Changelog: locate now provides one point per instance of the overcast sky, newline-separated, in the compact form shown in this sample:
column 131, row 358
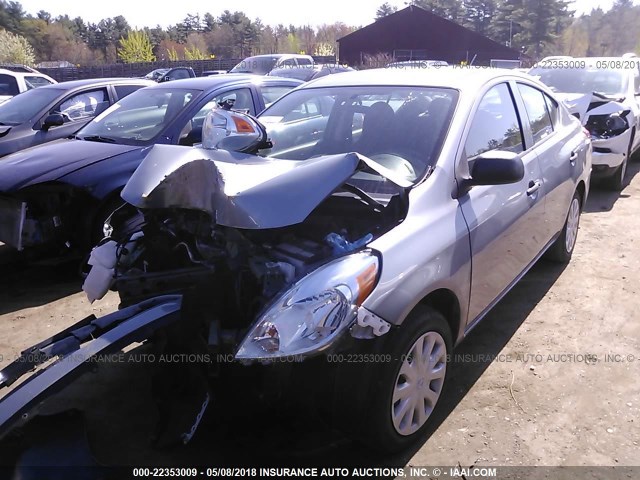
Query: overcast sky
column 142, row 13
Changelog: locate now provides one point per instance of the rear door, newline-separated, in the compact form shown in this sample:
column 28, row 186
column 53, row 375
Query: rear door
column 559, row 150
column 505, row 221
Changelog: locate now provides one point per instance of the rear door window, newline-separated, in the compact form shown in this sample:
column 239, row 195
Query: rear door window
column 8, row 85
column 537, row 112
column 124, row 90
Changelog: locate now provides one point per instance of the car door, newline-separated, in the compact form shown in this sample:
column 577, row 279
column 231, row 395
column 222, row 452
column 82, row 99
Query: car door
column 77, row 108
column 504, row 220
column 559, row 150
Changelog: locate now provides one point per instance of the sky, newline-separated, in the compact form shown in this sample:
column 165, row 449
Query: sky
column 144, row 13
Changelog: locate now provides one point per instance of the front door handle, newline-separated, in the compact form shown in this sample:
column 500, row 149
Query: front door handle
column 534, row 186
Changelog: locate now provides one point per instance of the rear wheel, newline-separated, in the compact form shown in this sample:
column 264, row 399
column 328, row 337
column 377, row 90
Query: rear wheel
column 562, row 248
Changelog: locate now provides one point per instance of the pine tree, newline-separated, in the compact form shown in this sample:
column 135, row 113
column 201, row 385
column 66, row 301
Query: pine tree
column 449, row 9
column 385, row 10
column 478, row 14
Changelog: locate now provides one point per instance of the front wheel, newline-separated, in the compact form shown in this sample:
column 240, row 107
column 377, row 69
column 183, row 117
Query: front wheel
column 402, row 394
column 562, row 249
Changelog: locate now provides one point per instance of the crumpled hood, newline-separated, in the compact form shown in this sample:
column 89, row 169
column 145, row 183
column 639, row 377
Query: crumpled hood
column 241, row 190
column 53, row 160
column 586, row 104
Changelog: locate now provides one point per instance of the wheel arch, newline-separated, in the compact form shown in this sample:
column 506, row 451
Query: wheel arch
column 445, row 302
column 581, row 188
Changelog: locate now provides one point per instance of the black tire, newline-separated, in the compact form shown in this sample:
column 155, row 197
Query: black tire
column 370, row 387
column 561, row 251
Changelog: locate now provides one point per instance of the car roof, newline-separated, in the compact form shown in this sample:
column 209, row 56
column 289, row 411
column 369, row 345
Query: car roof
column 70, row 85
column 458, row 77
column 207, row 83
column 16, row 73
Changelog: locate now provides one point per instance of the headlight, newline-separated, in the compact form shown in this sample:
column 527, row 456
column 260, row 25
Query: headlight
column 314, row 311
column 606, row 126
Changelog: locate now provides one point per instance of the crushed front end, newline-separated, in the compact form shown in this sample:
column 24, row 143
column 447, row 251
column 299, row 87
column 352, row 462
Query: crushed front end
column 269, row 262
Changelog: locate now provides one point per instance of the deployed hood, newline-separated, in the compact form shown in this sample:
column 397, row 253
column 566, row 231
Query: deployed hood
column 51, row 161
column 585, row 104
column 241, row 190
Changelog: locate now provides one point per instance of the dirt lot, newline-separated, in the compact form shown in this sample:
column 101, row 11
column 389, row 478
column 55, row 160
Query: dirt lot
column 550, row 377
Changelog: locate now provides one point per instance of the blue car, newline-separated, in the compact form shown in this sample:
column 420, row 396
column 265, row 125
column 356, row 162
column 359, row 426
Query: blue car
column 56, row 197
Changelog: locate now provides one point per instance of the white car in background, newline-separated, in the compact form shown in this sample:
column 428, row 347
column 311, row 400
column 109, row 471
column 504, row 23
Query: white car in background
column 15, row 79
column 604, row 93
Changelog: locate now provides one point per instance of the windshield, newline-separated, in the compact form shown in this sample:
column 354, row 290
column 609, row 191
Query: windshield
column 33, row 81
column 259, row 65
column 401, row 128
column 22, row 108
column 140, row 116
column 582, row 80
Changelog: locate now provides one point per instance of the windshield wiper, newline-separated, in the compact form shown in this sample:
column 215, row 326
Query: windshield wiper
column 604, row 96
column 99, row 138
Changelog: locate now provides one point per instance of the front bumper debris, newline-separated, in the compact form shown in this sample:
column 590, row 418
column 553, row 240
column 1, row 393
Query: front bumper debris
column 71, row 352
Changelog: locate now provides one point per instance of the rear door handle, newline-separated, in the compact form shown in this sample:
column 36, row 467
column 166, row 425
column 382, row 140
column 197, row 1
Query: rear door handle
column 534, row 186
column 573, row 157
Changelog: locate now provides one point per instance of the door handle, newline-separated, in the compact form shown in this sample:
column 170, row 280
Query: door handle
column 534, row 186
column 573, row 157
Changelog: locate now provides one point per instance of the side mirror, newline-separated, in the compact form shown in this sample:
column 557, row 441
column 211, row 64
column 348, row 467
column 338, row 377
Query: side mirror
column 496, row 167
column 53, row 120
column 234, row 131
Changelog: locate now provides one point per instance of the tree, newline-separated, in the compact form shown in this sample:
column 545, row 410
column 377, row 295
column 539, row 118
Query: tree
column 15, row 49
column 385, row 10
column 208, row 22
column 478, row 15
column 449, row 9
column 540, row 23
column 136, row 47
column 44, row 15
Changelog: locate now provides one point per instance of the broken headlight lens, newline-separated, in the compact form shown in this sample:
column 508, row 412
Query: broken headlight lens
column 314, row 311
column 607, row 126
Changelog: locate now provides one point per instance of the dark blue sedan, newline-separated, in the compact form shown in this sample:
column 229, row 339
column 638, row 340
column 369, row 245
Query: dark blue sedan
column 59, row 194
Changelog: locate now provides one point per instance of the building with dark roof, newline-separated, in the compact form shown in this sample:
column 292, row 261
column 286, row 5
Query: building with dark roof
column 413, row 33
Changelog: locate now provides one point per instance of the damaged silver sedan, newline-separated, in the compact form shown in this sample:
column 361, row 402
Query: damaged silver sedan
column 361, row 228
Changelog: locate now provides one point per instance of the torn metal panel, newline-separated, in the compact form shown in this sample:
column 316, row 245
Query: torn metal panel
column 240, row 190
column 586, row 104
column 120, row 329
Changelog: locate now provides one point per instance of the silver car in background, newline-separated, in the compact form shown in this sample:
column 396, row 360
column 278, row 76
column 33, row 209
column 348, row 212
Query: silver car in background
column 372, row 222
